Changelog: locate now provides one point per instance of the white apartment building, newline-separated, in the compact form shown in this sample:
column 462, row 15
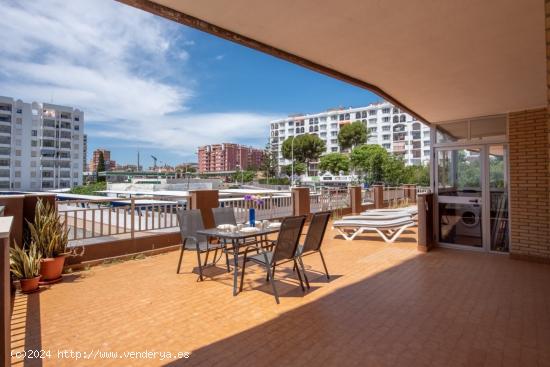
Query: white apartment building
column 388, row 126
column 41, row 145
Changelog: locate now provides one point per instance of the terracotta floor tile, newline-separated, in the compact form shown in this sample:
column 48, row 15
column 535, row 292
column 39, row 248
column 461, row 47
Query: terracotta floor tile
column 385, row 305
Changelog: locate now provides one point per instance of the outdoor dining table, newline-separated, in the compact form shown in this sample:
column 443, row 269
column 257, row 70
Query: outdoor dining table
column 238, row 239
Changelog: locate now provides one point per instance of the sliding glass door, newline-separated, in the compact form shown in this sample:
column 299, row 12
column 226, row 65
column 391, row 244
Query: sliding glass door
column 472, row 197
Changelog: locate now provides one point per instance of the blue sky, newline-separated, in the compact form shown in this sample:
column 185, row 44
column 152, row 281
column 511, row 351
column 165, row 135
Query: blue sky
column 150, row 84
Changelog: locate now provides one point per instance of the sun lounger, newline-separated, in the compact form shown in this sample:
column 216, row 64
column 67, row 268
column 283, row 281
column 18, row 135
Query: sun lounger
column 389, row 230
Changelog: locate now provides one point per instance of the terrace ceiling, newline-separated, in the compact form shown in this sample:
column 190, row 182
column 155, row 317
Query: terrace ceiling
column 441, row 60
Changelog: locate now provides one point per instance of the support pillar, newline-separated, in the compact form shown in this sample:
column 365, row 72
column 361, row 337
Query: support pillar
column 205, row 201
column 356, row 200
column 378, row 196
column 300, row 201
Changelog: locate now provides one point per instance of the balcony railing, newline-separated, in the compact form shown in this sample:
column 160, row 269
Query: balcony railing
column 105, row 217
column 270, row 207
column 329, row 200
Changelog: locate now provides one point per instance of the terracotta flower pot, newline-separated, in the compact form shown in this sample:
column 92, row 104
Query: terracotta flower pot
column 51, row 268
column 29, row 285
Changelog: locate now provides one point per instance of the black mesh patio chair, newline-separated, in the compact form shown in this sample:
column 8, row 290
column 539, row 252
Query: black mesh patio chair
column 190, row 221
column 314, row 239
column 225, row 215
column 284, row 250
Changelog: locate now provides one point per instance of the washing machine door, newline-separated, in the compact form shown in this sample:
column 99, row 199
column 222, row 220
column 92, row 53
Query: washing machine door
column 459, row 196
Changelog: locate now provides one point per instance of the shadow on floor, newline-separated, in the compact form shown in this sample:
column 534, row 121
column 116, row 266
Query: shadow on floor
column 435, row 309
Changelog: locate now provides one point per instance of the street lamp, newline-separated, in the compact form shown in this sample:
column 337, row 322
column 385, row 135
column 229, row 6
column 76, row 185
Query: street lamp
column 242, row 173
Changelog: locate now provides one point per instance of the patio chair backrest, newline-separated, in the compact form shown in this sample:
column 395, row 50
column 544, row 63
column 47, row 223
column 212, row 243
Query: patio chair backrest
column 225, row 215
column 316, row 231
column 287, row 240
column 190, row 221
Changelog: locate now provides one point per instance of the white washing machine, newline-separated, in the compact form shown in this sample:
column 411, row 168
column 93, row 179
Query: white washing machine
column 469, row 221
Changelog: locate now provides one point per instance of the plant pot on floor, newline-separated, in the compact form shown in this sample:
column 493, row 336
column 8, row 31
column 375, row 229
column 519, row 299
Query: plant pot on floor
column 29, row 285
column 51, row 269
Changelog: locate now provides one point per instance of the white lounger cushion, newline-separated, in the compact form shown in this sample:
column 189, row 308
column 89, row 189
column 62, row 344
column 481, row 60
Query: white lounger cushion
column 412, row 210
column 389, row 230
column 378, row 217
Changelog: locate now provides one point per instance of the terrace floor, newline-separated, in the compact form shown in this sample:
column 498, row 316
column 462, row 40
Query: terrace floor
column 385, row 305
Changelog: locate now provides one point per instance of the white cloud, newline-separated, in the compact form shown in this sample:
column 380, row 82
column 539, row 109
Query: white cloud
column 122, row 66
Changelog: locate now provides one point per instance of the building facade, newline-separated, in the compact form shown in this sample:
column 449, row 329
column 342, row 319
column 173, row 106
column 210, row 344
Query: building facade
column 41, row 145
column 228, row 157
column 388, row 126
column 110, row 164
column 85, row 152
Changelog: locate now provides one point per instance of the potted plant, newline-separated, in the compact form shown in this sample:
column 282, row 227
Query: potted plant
column 50, row 238
column 25, row 266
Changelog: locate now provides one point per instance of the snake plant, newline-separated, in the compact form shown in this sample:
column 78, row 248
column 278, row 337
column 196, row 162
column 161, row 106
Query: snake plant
column 47, row 233
column 24, row 264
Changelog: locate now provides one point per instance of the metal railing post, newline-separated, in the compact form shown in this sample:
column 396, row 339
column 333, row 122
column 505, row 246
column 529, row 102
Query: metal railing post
column 132, row 217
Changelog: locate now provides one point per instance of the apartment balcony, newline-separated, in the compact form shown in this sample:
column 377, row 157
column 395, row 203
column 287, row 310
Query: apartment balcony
column 384, row 305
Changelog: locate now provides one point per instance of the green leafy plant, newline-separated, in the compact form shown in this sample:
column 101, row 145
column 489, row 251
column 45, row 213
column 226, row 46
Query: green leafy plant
column 47, row 233
column 24, row 264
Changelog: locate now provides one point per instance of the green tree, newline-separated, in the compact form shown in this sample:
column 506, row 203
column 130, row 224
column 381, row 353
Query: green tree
column 299, row 169
column 89, row 189
column 100, row 167
column 417, row 174
column 369, row 160
column 394, row 170
column 352, row 135
column 269, row 162
column 306, row 147
column 334, row 163
column 244, row 176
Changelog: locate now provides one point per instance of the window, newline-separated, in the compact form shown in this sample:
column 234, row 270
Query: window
column 5, row 129
column 17, row 163
column 385, row 110
column 334, row 133
column 33, row 174
column 5, row 140
column 386, row 128
column 403, row 118
column 333, row 117
column 323, row 118
column 357, row 115
column 386, row 137
column 75, row 174
column 395, row 110
column 364, row 114
column 386, row 119
column 18, row 120
column 334, row 149
column 18, row 152
column 76, row 127
column 76, row 118
column 395, row 119
column 4, row 162
column 334, row 141
column 17, row 174
column 347, row 116
column 386, row 146
column 34, row 133
column 19, row 110
column 372, row 129
column 372, row 121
